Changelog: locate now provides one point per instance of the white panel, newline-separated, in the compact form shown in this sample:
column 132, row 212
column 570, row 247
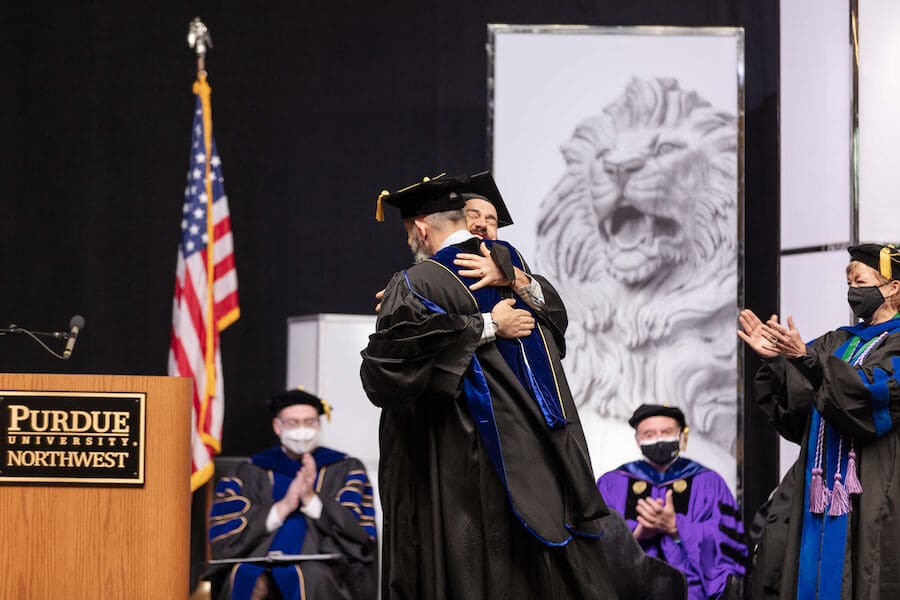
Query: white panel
column 814, row 291
column 323, row 357
column 303, row 352
column 815, row 122
column 879, row 120
column 552, row 89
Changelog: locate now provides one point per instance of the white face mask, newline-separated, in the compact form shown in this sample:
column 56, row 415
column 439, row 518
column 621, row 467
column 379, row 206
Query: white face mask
column 300, row 440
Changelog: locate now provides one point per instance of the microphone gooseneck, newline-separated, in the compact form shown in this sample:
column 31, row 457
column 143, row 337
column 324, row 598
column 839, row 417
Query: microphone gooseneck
column 76, row 324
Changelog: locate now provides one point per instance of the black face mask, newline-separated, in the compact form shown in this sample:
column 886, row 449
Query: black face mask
column 864, row 301
column 661, row 452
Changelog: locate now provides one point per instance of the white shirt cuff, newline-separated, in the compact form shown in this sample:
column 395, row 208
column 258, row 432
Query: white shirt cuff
column 273, row 521
column 313, row 508
column 489, row 333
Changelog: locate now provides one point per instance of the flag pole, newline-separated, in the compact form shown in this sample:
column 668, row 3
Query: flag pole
column 200, row 41
column 205, row 301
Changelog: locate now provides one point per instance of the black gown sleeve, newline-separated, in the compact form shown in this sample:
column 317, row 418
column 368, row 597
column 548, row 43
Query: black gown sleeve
column 554, row 313
column 785, row 389
column 862, row 401
column 241, row 504
column 343, row 514
column 415, row 350
column 340, row 528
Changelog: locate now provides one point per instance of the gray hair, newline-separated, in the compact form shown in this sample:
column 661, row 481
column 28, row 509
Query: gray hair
column 445, row 219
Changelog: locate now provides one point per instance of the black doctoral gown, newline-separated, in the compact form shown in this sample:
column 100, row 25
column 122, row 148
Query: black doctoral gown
column 859, row 403
column 346, row 525
column 451, row 528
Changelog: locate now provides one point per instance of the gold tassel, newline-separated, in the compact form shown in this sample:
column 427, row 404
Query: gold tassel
column 884, row 261
column 379, row 206
column 326, row 408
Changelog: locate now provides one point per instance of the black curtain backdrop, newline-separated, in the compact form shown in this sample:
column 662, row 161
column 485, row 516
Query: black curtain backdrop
column 317, row 106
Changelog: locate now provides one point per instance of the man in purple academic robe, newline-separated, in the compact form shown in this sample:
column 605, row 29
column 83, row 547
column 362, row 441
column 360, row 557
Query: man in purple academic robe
column 678, row 510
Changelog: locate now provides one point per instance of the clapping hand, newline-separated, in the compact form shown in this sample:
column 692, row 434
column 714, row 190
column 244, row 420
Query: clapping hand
column 770, row 339
column 655, row 517
column 301, row 489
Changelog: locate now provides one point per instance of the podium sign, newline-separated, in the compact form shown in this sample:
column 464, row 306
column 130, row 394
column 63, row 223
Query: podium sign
column 72, row 437
column 108, row 515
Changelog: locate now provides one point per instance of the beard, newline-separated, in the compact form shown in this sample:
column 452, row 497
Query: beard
column 417, row 247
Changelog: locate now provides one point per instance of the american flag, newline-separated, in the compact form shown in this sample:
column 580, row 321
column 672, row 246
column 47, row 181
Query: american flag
column 206, row 294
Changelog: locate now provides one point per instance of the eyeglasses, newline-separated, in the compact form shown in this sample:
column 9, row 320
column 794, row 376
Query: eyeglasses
column 312, row 423
column 659, row 433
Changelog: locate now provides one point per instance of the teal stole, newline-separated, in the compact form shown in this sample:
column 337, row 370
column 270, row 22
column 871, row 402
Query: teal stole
column 823, row 539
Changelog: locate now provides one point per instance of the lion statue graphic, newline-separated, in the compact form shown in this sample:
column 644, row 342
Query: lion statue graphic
column 640, row 234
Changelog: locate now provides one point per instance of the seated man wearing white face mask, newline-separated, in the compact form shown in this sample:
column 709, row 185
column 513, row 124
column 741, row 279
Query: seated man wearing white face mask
column 679, row 511
column 296, row 498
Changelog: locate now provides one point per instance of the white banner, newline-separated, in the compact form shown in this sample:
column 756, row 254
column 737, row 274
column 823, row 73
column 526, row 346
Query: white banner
column 619, row 154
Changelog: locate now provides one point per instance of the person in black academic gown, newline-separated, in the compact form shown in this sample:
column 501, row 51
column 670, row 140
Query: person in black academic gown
column 833, row 529
column 486, row 484
column 295, row 498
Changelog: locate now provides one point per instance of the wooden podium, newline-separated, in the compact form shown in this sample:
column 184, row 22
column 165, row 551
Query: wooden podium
column 100, row 540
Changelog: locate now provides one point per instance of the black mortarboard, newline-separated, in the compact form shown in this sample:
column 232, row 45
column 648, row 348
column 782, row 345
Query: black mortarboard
column 883, row 258
column 482, row 186
column 281, row 400
column 656, row 410
column 432, row 195
column 442, row 193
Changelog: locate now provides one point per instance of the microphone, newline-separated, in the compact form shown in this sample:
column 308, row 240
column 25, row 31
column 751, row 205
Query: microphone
column 76, row 324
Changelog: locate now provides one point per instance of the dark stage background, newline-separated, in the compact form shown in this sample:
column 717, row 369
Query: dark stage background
column 317, row 106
